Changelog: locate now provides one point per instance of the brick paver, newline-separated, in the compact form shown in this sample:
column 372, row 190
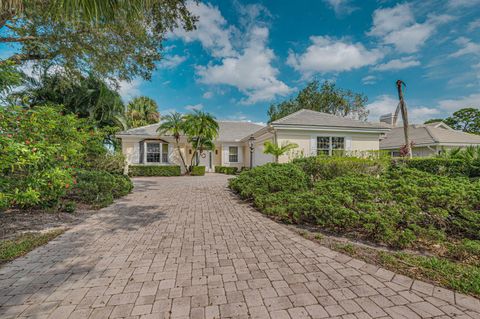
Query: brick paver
column 185, row 247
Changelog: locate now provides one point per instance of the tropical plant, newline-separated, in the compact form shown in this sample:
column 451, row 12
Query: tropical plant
column 325, row 98
column 142, row 111
column 201, row 128
column 174, row 124
column 466, row 120
column 277, row 151
column 110, row 39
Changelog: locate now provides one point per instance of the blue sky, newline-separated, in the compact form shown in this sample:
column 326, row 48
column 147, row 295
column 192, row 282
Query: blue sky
column 246, row 55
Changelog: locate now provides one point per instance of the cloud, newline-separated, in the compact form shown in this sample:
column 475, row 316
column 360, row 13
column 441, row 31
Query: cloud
column 398, row 64
column 467, row 47
column 171, row 61
column 211, row 30
column 207, row 95
column 251, row 72
column 385, row 104
column 196, row 107
column 369, row 79
column 341, row 7
column 463, row 3
column 327, row 54
column 129, row 90
column 397, row 26
column 451, row 105
column 474, row 25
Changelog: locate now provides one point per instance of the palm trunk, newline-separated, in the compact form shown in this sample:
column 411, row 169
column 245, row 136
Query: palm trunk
column 181, row 156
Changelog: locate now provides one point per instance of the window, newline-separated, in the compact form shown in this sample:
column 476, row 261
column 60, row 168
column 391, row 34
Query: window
column 233, row 154
column 330, row 145
column 157, row 153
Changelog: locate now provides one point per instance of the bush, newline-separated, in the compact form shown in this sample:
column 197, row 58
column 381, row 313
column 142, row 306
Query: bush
column 99, row 188
column 435, row 165
column 269, row 178
column 110, row 162
column 198, row 170
column 320, row 167
column 226, row 170
column 154, row 170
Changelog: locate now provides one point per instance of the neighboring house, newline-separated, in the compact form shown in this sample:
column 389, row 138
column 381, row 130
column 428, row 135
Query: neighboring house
column 428, row 139
column 314, row 132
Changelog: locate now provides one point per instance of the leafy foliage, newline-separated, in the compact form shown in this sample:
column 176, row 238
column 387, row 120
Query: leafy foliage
column 325, row 98
column 435, row 165
column 174, row 124
column 276, row 150
column 151, row 170
column 198, row 170
column 142, row 111
column 226, row 170
column 201, row 128
column 466, row 119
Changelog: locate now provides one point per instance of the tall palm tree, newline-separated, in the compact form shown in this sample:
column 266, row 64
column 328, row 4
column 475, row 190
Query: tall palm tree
column 277, row 151
column 142, row 111
column 201, row 129
column 174, row 124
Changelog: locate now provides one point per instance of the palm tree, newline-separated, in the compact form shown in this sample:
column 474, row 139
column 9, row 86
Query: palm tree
column 142, row 111
column 174, row 124
column 201, row 129
column 277, row 151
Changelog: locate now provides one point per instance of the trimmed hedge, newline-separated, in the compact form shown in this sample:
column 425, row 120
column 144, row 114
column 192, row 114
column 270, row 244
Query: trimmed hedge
column 436, row 165
column 153, row 170
column 198, row 170
column 226, row 170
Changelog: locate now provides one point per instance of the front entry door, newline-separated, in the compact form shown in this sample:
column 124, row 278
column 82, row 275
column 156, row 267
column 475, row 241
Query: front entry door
column 206, row 159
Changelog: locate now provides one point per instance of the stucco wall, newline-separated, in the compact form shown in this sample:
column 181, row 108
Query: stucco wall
column 355, row 142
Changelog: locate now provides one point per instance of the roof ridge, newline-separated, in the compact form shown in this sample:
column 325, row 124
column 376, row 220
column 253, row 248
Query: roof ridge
column 290, row 115
column 432, row 135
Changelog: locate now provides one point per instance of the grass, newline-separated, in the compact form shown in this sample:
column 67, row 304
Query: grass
column 22, row 244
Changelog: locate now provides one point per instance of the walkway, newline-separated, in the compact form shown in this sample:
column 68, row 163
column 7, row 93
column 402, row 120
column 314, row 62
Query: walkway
column 187, row 248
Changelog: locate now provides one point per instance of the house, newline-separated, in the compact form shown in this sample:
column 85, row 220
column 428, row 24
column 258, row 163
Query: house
column 428, row 139
column 314, row 132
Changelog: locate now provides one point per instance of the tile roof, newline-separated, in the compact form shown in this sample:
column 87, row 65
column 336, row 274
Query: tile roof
column 428, row 134
column 229, row 131
column 306, row 117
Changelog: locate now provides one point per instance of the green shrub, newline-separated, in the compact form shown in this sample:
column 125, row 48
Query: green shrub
column 435, row 165
column 109, row 162
column 269, row 178
column 467, row 250
column 226, row 170
column 99, row 188
column 321, row 167
column 154, row 170
column 198, row 170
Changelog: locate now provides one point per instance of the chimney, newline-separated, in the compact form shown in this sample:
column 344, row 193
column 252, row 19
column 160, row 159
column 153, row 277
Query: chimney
column 387, row 119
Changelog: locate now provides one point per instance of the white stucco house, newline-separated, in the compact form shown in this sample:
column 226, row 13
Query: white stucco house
column 428, row 139
column 314, row 132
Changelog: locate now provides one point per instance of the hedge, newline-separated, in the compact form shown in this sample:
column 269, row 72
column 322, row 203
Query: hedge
column 436, row 165
column 198, row 170
column 151, row 170
column 226, row 170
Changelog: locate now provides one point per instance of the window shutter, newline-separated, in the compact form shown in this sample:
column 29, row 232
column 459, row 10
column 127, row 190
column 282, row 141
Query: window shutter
column 313, row 145
column 142, row 152
column 170, row 153
column 348, row 143
column 225, row 158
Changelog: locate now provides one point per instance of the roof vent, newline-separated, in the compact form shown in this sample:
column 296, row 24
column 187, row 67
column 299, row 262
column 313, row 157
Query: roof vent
column 387, row 119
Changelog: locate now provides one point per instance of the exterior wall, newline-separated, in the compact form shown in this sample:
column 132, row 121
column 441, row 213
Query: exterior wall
column 225, row 157
column 306, row 140
column 425, row 151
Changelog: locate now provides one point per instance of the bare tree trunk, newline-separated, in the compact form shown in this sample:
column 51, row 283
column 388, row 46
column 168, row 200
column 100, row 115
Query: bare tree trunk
column 403, row 108
column 181, row 156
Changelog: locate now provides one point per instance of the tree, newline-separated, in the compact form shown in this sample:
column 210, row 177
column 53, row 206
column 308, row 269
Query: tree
column 328, row 98
column 433, row 121
column 277, row 151
column 466, row 120
column 201, row 128
column 142, row 111
column 87, row 97
column 174, row 124
column 109, row 39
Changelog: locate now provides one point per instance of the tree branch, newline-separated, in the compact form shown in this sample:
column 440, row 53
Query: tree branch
column 21, row 39
column 21, row 57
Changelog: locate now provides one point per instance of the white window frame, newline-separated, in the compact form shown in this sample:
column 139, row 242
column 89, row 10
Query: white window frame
column 161, row 153
column 330, row 144
column 230, row 154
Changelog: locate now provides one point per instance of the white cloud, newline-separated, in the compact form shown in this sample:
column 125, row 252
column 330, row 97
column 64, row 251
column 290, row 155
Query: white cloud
column 385, row 104
column 211, row 30
column 397, row 26
column 341, row 6
column 398, row 64
column 171, row 61
column 467, row 47
column 422, row 114
column 463, row 3
column 369, row 79
column 451, row 105
column 251, row 71
column 474, row 25
column 327, row 54
column 195, row 107
column 207, row 95
column 129, row 90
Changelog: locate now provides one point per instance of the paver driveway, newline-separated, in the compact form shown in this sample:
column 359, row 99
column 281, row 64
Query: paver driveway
column 186, row 248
